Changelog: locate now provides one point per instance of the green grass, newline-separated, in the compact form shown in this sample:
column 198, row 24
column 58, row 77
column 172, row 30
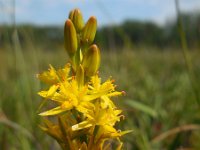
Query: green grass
column 158, row 97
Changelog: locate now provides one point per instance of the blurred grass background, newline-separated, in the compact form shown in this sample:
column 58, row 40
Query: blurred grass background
column 146, row 61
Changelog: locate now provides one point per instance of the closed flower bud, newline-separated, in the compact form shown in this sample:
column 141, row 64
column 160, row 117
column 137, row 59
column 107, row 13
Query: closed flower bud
column 89, row 31
column 71, row 14
column 91, row 60
column 76, row 17
column 80, row 76
column 70, row 38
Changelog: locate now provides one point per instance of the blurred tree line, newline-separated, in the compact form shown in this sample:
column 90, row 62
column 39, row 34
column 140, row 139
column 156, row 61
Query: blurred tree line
column 150, row 34
column 130, row 33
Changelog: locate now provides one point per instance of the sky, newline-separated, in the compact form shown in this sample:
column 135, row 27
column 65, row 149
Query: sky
column 55, row 12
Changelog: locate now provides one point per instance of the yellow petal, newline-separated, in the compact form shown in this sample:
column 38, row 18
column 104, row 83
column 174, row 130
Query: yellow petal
column 58, row 97
column 96, row 81
column 106, row 102
column 107, row 86
column 94, row 96
column 82, row 125
column 118, row 134
column 54, row 111
column 49, row 77
column 50, row 92
column 115, row 94
column 86, row 108
column 66, row 105
column 64, row 72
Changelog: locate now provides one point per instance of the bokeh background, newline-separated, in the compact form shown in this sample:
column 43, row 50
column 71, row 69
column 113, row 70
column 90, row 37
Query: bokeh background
column 150, row 47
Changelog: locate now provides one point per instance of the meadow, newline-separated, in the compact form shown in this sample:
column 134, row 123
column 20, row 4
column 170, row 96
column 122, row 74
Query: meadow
column 160, row 104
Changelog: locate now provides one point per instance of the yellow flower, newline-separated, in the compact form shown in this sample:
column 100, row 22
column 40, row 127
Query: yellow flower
column 99, row 116
column 103, row 120
column 108, row 88
column 52, row 76
column 68, row 94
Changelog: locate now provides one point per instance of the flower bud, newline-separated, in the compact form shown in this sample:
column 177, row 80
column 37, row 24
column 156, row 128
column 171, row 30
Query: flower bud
column 71, row 14
column 89, row 31
column 76, row 17
column 80, row 76
column 70, row 38
column 91, row 60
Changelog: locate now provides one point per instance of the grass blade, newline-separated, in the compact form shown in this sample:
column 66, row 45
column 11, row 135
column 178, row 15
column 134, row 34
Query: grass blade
column 142, row 107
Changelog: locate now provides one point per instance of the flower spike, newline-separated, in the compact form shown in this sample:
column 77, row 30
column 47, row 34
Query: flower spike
column 81, row 102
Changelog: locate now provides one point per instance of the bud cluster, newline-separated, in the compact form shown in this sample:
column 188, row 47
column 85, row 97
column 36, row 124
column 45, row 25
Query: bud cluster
column 82, row 103
column 78, row 39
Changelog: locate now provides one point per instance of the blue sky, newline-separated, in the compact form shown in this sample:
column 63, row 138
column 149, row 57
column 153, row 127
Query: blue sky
column 55, row 12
